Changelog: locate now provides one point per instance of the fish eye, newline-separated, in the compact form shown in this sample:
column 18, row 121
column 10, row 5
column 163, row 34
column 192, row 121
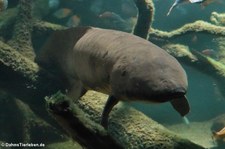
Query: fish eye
column 123, row 73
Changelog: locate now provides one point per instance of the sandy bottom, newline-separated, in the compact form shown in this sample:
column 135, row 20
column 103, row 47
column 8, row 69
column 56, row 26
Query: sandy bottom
column 197, row 132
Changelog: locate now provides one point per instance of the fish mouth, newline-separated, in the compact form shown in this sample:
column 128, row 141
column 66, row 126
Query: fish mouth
column 178, row 93
column 156, row 96
column 174, row 94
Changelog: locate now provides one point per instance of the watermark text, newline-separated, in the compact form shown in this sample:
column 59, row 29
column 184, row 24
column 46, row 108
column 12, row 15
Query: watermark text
column 3, row 144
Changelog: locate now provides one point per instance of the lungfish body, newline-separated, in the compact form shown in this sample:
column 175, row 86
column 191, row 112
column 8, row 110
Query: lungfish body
column 116, row 63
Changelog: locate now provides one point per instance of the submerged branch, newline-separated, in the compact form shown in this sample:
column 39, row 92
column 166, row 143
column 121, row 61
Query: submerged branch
column 145, row 17
column 43, row 27
column 198, row 26
column 72, row 118
column 21, row 39
column 128, row 127
column 198, row 61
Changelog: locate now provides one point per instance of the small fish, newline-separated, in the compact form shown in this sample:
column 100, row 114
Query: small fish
column 73, row 21
column 194, row 39
column 220, row 134
column 217, row 92
column 53, row 4
column 207, row 2
column 111, row 16
column 62, row 13
column 3, row 5
column 114, row 21
column 210, row 52
column 107, row 14
column 177, row 2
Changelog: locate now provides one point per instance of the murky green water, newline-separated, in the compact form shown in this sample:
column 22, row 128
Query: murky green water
column 199, row 27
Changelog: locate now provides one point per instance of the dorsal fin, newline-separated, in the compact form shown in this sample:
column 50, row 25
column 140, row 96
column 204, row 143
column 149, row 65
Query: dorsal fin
column 65, row 38
column 60, row 39
column 71, row 35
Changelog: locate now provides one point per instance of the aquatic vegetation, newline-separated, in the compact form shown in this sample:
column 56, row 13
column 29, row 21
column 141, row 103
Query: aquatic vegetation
column 180, row 51
column 218, row 18
column 197, row 26
column 41, row 27
column 18, row 64
column 221, row 49
column 216, row 66
column 21, row 39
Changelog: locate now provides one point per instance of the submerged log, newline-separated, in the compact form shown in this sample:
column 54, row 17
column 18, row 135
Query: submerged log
column 128, row 127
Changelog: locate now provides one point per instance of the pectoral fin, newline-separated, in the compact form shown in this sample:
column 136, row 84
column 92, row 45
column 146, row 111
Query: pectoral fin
column 111, row 102
column 181, row 105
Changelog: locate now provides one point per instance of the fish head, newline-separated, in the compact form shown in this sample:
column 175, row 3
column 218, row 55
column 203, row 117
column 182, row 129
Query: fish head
column 157, row 79
column 163, row 81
